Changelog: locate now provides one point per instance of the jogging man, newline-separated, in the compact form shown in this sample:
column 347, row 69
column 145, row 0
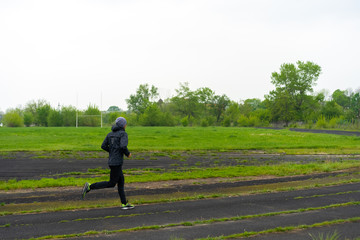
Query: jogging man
column 116, row 144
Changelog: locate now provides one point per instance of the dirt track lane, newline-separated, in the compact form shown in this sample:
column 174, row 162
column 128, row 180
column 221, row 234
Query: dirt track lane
column 42, row 224
column 22, row 165
column 229, row 228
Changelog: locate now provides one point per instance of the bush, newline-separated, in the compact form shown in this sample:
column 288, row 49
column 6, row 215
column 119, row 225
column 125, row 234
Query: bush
column 167, row 119
column 28, row 119
column 13, row 119
column 113, row 116
column 333, row 122
column 309, row 124
column 42, row 113
column 254, row 121
column 227, row 122
column 68, row 116
column 55, row 118
column 321, row 122
column 151, row 116
column 204, row 123
column 185, row 122
column 91, row 117
column 131, row 118
column 243, row 121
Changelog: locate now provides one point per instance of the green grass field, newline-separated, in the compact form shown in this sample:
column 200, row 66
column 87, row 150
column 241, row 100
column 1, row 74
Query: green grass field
column 179, row 138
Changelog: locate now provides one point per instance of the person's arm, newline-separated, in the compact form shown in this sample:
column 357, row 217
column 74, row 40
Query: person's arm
column 124, row 143
column 105, row 144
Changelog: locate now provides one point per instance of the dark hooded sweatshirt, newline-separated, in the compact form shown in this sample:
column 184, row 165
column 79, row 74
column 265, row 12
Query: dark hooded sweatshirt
column 116, row 144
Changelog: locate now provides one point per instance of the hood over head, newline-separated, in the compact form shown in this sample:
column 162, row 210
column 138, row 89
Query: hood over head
column 121, row 122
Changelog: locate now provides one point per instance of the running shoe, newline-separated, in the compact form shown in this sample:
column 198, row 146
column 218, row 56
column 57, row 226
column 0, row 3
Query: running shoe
column 85, row 190
column 127, row 206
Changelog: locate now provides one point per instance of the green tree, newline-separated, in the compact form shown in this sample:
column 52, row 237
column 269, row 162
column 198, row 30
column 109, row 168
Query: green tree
column 293, row 85
column 28, row 118
column 263, row 115
column 30, row 109
column 13, row 118
column 232, row 114
column 331, row 109
column 40, row 111
column 312, row 107
column 68, row 116
column 249, row 106
column 219, row 106
column 114, row 109
column 152, row 116
column 341, row 98
column 355, row 105
column 143, row 98
column 206, row 98
column 186, row 102
column 55, row 118
column 281, row 106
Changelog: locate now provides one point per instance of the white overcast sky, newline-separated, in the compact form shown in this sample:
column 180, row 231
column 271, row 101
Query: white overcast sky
column 73, row 52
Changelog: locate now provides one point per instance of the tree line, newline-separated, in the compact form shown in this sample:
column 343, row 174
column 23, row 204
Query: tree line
column 292, row 103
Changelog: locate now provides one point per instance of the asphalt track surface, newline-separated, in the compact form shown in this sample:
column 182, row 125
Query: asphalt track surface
column 68, row 222
column 23, row 165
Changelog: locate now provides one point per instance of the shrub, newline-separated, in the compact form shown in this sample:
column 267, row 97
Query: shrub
column 28, row 119
column 321, row 122
column 68, row 116
column 131, row 118
column 243, row 121
column 254, row 121
column 113, row 116
column 167, row 119
column 309, row 124
column 13, row 119
column 333, row 122
column 55, row 118
column 42, row 113
column 91, row 117
column 204, row 123
column 227, row 121
column 185, row 122
column 151, row 116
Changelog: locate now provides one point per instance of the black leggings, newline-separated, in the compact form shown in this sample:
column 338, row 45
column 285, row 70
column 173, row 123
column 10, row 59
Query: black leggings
column 116, row 177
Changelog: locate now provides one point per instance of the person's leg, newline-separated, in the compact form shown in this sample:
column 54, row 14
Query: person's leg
column 114, row 178
column 124, row 204
column 121, row 184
